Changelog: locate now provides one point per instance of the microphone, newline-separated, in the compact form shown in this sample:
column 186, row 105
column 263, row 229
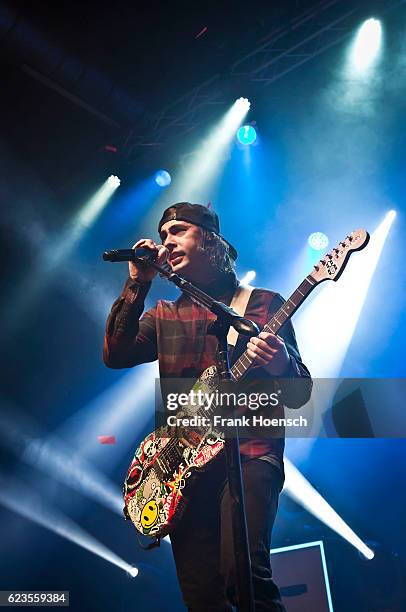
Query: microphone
column 144, row 254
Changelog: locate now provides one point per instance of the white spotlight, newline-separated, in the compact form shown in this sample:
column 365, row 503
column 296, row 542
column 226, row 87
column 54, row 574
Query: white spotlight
column 368, row 554
column 391, row 216
column 302, row 492
column 114, row 181
column 244, row 104
column 56, row 252
column 204, row 165
column 367, row 45
column 34, row 508
column 82, row 222
column 342, row 301
column 52, row 456
column 133, row 571
column 248, row 277
column 103, row 415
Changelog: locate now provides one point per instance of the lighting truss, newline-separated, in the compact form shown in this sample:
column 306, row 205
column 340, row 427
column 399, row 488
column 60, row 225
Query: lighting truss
column 284, row 49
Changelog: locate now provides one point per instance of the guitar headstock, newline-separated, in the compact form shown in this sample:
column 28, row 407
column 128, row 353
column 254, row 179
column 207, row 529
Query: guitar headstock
column 332, row 265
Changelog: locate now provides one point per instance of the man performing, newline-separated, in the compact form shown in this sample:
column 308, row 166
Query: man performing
column 175, row 333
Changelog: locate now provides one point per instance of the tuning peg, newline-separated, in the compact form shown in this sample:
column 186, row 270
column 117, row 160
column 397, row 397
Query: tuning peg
column 316, row 268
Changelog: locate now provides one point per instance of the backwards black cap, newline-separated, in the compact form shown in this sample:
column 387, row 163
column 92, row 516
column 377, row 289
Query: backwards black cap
column 198, row 215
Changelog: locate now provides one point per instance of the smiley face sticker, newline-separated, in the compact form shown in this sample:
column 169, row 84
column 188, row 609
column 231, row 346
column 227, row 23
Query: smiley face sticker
column 149, row 515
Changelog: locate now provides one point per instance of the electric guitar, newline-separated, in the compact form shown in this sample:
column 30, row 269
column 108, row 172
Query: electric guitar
column 163, row 467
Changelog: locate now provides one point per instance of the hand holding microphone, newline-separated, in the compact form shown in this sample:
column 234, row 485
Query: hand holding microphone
column 144, row 273
column 140, row 256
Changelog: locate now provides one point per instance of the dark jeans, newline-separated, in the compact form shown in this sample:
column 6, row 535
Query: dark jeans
column 202, row 542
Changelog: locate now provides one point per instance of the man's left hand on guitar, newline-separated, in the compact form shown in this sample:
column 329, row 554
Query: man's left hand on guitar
column 269, row 352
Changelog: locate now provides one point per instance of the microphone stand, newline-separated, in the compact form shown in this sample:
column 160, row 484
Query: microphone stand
column 226, row 317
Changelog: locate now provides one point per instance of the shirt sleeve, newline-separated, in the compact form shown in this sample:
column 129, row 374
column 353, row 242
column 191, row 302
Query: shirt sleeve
column 130, row 340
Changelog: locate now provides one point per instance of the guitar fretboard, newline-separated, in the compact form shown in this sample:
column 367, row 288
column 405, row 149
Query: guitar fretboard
column 284, row 313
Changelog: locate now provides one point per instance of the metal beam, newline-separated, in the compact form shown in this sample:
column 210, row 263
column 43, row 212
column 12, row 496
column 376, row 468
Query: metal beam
column 281, row 51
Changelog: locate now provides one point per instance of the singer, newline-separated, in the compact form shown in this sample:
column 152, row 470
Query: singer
column 175, row 334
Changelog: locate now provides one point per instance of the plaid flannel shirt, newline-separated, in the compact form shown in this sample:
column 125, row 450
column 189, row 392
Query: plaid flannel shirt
column 175, row 333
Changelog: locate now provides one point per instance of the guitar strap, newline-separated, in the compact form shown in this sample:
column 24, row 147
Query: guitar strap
column 239, row 304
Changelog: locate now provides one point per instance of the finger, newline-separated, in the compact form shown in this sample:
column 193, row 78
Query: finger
column 270, row 339
column 258, row 360
column 264, row 345
column 163, row 254
column 259, row 352
column 145, row 242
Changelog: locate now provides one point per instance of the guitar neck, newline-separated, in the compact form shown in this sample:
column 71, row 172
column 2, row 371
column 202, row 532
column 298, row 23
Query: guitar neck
column 284, row 313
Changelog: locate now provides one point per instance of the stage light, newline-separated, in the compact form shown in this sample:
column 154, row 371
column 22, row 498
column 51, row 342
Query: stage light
column 133, row 571
column 116, row 410
column 56, row 251
column 367, row 45
column 59, row 249
column 248, row 277
column 114, row 181
column 341, row 301
column 91, row 210
column 318, row 241
column 163, row 178
column 203, row 166
column 32, row 506
column 54, row 457
column 246, row 135
column 368, row 554
column 57, row 459
column 244, row 104
column 302, row 492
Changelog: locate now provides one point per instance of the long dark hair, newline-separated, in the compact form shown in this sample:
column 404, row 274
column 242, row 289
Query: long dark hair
column 218, row 254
